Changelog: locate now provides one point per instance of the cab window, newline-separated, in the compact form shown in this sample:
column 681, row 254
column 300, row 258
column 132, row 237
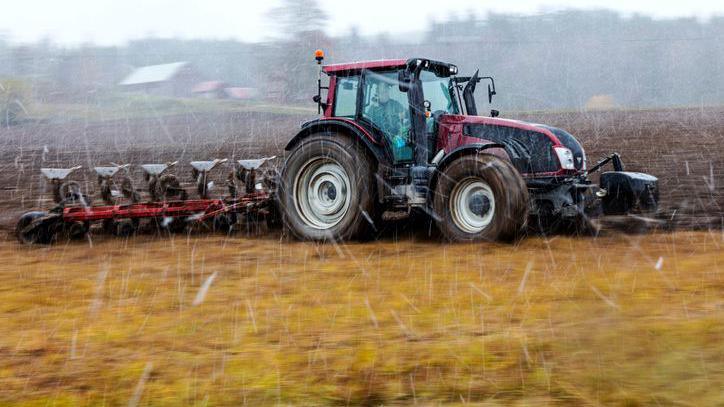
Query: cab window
column 345, row 97
column 437, row 91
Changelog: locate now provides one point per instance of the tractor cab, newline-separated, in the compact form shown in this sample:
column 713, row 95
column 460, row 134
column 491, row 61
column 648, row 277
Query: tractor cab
column 398, row 102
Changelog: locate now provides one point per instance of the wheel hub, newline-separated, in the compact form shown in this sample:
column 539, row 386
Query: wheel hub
column 321, row 192
column 479, row 204
column 472, row 205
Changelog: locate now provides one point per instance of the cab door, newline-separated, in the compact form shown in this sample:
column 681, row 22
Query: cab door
column 386, row 108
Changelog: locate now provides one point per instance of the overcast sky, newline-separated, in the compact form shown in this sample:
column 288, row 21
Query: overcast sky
column 107, row 22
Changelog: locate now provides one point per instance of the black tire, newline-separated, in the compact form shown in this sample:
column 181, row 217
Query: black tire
column 37, row 227
column 121, row 227
column 274, row 216
column 342, row 156
column 224, row 222
column 175, row 225
column 462, row 205
column 76, row 230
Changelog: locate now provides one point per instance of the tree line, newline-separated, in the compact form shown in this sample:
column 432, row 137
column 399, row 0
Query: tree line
column 563, row 60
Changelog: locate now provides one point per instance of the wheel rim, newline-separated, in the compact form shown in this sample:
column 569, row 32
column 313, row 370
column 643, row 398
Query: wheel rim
column 321, row 193
column 472, row 205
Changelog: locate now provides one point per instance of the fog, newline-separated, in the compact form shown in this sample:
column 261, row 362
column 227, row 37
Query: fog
column 560, row 60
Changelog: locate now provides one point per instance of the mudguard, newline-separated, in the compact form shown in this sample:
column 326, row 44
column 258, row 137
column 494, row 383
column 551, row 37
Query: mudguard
column 499, row 150
column 341, row 126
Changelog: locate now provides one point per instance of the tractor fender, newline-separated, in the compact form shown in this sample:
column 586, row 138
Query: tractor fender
column 496, row 149
column 340, row 126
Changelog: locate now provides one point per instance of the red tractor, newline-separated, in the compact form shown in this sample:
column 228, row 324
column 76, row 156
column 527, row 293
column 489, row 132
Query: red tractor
column 398, row 136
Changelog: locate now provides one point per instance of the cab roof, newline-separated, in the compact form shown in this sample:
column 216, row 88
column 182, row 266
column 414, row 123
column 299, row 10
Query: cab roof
column 354, row 66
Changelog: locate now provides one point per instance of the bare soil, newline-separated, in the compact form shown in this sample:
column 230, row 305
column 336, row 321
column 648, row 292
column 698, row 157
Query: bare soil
column 683, row 147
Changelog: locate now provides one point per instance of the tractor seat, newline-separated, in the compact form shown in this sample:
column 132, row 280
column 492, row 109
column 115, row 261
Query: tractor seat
column 206, row 166
column 255, row 163
column 58, row 173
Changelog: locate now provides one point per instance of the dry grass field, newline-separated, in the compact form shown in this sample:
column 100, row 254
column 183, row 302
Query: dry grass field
column 216, row 320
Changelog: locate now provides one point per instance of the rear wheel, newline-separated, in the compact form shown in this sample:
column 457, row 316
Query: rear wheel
column 480, row 197
column 37, row 227
column 326, row 189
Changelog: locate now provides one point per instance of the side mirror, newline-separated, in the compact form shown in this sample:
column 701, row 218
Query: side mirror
column 491, row 92
column 403, row 79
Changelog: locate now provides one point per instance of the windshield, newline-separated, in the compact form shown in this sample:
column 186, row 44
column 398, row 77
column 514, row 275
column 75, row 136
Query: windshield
column 436, row 90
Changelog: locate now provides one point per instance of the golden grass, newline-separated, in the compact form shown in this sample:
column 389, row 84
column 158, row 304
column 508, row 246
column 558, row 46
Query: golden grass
column 574, row 321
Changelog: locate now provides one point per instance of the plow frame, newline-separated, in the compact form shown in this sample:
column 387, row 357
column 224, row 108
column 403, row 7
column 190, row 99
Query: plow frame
column 200, row 209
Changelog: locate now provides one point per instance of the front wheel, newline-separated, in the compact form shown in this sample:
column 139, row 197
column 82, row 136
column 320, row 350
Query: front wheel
column 326, row 190
column 480, row 197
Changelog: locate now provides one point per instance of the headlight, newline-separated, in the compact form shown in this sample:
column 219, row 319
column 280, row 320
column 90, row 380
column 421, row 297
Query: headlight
column 565, row 157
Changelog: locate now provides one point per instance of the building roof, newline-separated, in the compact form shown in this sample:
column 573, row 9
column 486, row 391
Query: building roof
column 381, row 63
column 153, row 73
column 241, row 93
column 208, row 86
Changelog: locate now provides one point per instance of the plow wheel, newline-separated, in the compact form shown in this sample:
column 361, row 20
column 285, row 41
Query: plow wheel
column 327, row 190
column 170, row 224
column 121, row 227
column 224, row 222
column 76, row 230
column 480, row 197
column 37, row 227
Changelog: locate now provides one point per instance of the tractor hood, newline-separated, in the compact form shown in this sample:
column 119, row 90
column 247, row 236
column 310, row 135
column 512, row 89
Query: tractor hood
column 532, row 147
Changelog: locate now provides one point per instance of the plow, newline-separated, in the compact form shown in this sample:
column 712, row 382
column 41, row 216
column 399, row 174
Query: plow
column 168, row 206
column 395, row 138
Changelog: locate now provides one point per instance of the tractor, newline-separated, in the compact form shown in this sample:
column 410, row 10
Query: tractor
column 403, row 136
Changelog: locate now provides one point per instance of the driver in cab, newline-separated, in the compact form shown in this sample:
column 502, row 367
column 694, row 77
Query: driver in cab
column 389, row 115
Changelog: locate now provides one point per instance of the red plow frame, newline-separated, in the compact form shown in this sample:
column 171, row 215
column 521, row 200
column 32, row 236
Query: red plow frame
column 200, row 209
